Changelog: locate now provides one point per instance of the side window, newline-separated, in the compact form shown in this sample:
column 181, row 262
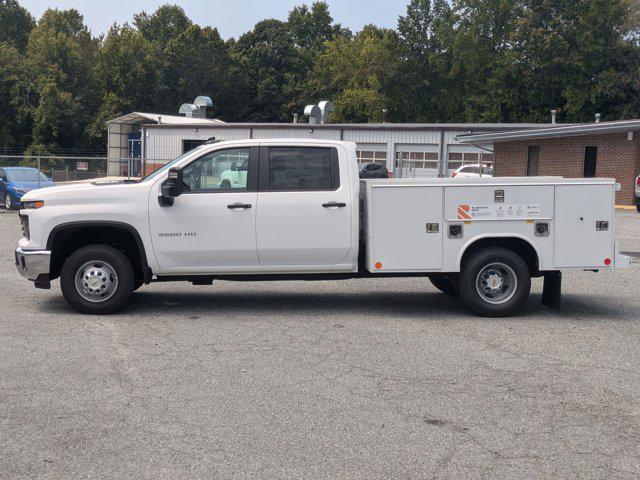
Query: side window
column 303, row 168
column 218, row 171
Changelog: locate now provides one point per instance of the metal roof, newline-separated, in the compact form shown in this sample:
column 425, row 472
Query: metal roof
column 559, row 131
column 159, row 119
column 470, row 127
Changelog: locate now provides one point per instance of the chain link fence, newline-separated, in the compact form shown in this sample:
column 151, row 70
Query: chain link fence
column 20, row 174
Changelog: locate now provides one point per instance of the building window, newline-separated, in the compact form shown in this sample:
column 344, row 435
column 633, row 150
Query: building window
column 188, row 145
column 372, row 156
column 590, row 158
column 533, row 161
column 455, row 160
column 418, row 159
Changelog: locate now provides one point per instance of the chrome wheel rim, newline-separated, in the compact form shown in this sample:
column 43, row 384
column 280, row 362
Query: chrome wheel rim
column 496, row 283
column 96, row 281
column 7, row 201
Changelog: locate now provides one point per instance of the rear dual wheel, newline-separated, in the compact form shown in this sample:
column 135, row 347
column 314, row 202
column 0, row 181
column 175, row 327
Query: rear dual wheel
column 494, row 282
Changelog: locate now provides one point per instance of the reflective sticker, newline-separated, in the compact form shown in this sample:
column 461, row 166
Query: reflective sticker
column 495, row 212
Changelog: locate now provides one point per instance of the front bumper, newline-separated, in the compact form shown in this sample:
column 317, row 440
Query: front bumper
column 34, row 265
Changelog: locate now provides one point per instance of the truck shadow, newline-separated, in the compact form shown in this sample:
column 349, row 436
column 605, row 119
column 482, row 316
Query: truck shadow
column 427, row 305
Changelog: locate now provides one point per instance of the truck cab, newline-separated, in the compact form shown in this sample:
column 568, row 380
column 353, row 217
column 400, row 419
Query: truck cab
column 289, row 209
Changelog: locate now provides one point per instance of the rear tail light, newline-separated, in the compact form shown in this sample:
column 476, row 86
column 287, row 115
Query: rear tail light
column 638, row 181
column 454, row 174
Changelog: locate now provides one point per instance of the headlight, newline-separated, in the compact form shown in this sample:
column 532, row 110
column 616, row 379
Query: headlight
column 21, row 190
column 33, row 204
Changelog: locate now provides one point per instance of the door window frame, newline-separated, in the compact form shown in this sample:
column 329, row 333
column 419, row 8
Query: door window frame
column 252, row 172
column 264, row 177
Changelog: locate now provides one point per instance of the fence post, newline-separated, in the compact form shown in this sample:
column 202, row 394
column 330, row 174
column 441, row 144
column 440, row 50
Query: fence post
column 39, row 172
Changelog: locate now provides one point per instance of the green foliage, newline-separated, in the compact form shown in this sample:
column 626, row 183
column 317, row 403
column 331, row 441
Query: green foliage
column 15, row 24
column 447, row 61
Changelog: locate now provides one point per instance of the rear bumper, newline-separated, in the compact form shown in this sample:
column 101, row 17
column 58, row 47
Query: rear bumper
column 34, row 265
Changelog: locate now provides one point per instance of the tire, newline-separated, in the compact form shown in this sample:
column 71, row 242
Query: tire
column 107, row 284
column 494, row 282
column 137, row 284
column 445, row 283
column 638, row 208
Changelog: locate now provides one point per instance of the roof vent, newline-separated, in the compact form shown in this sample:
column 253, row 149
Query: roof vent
column 326, row 107
column 203, row 103
column 188, row 110
column 197, row 109
column 313, row 113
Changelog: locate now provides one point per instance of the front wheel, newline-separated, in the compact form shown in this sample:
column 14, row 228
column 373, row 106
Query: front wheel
column 494, row 282
column 638, row 208
column 97, row 279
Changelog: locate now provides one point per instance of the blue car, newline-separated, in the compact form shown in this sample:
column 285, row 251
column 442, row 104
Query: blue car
column 16, row 181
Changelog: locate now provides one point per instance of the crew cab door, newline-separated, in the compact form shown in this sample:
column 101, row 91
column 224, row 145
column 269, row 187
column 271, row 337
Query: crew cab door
column 210, row 228
column 304, row 208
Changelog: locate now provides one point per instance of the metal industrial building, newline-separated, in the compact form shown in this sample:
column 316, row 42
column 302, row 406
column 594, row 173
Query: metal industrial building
column 406, row 149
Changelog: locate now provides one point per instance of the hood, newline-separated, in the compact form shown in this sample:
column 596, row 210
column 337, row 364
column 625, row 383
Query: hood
column 87, row 193
column 32, row 185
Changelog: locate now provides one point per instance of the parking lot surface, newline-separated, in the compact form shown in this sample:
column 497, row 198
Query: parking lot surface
column 355, row 379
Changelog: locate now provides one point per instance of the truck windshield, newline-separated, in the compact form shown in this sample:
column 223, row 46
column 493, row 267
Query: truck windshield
column 167, row 166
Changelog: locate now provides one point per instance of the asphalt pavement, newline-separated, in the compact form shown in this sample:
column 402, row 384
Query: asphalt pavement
column 370, row 379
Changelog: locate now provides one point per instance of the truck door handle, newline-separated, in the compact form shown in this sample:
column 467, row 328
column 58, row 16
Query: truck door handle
column 334, row 205
column 239, row 206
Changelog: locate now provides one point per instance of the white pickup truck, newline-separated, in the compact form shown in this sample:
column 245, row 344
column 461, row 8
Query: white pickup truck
column 301, row 212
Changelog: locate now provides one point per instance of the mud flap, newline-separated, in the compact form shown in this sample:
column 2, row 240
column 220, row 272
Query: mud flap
column 552, row 290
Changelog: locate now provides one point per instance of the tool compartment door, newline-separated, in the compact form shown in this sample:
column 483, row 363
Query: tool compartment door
column 398, row 236
column 578, row 243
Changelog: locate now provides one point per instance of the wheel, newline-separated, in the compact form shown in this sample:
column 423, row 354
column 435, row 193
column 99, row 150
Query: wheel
column 638, row 208
column 445, row 283
column 226, row 184
column 8, row 202
column 97, row 279
column 494, row 282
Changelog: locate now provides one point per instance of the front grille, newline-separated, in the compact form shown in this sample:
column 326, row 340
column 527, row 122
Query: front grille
column 24, row 220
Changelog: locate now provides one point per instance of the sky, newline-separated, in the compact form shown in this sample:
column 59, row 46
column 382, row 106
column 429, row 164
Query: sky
column 231, row 17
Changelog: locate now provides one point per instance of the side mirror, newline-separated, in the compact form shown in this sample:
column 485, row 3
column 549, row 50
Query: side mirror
column 171, row 188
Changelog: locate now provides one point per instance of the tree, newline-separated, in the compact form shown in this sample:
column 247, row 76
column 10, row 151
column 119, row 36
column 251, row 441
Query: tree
column 165, row 23
column 357, row 72
column 10, row 72
column 267, row 60
column 126, row 77
column 197, row 62
column 15, row 24
column 56, row 95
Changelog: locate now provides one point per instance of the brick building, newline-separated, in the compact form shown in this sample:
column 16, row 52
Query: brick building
column 604, row 149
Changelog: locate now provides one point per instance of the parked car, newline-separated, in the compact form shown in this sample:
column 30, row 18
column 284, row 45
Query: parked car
column 373, row 170
column 234, row 178
column 17, row 181
column 638, row 193
column 473, row 171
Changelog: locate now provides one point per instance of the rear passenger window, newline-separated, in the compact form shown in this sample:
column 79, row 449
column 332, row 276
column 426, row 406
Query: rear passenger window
column 303, row 168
